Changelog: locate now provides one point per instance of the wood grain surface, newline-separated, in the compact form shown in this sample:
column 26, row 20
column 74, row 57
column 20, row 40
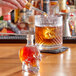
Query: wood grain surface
column 63, row 64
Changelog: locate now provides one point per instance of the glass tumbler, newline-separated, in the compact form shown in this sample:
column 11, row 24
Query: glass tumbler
column 48, row 32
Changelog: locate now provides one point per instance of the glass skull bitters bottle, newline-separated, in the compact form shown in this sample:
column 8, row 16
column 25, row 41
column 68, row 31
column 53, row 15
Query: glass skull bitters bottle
column 30, row 56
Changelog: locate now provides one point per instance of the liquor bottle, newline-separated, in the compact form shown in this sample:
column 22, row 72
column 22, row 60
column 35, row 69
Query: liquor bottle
column 72, row 24
column 22, row 21
column 62, row 6
column 46, row 6
column 30, row 20
column 7, row 17
column 12, row 16
column 30, row 6
column 30, row 56
column 70, row 2
column 17, row 11
column 66, row 30
column 16, row 15
column 38, row 4
column 54, row 7
column 75, row 23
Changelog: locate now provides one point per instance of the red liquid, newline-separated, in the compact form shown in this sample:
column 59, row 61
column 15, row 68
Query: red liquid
column 29, row 55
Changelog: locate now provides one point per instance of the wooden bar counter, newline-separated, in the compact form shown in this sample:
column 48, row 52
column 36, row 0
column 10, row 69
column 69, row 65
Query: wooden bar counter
column 63, row 64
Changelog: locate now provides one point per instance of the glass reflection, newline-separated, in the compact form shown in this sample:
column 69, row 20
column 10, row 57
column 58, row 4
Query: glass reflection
column 31, row 74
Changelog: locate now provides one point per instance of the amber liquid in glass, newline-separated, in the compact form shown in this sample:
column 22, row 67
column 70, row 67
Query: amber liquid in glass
column 48, row 35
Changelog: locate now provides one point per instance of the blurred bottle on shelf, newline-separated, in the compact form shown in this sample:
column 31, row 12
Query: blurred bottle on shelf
column 38, row 4
column 69, row 26
column 62, row 6
column 43, row 5
column 21, row 21
column 72, row 24
column 12, row 16
column 46, row 6
column 75, row 21
column 24, row 20
column 70, row 2
column 16, row 15
column 54, row 7
column 66, row 28
column 7, row 17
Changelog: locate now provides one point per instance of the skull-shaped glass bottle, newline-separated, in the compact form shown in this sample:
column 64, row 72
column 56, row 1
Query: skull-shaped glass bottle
column 30, row 56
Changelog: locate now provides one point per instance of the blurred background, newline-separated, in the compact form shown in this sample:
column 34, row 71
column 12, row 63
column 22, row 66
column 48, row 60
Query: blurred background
column 18, row 23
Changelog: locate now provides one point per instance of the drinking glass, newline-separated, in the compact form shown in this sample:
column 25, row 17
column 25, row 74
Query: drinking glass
column 48, row 32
